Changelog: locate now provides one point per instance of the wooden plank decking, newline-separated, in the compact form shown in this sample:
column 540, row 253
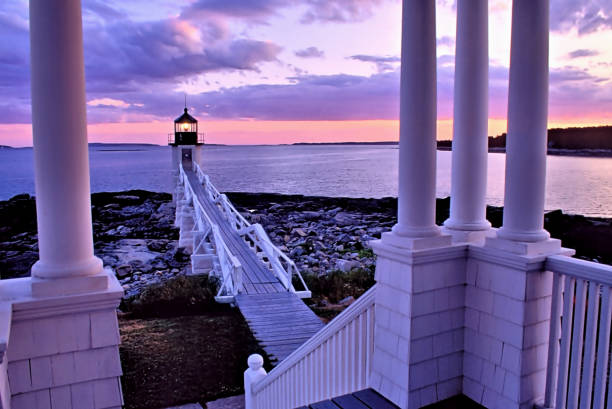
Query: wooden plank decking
column 279, row 320
column 364, row 399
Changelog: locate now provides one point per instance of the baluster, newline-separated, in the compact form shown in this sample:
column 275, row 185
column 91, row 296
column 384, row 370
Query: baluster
column 577, row 342
column 370, row 339
column 329, row 374
column 603, row 346
column 353, row 342
column 553, row 341
column 566, row 332
column 589, row 349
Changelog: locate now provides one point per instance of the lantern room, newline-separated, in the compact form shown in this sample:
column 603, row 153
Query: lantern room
column 185, row 131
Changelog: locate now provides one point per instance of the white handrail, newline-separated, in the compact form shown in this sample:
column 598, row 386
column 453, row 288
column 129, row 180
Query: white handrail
column 230, row 266
column 579, row 337
column 587, row 270
column 335, row 361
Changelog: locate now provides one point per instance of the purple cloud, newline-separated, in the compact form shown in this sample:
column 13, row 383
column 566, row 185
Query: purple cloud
column 235, row 8
column 383, row 63
column 582, row 53
column 586, row 16
column 310, row 52
column 446, row 41
column 167, row 50
column 340, row 11
column 332, row 97
column 257, row 10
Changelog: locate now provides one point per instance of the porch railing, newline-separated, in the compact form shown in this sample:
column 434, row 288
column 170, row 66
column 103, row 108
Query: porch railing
column 335, row 361
column 579, row 347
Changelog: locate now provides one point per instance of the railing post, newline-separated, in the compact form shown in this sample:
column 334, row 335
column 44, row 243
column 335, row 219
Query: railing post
column 255, row 373
column 237, row 276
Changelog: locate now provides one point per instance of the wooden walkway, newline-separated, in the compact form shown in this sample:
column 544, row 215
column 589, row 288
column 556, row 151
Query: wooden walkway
column 256, row 277
column 279, row 320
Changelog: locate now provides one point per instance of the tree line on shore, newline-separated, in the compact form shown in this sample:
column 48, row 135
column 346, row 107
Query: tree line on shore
column 593, row 137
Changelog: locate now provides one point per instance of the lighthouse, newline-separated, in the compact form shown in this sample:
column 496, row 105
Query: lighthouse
column 186, row 142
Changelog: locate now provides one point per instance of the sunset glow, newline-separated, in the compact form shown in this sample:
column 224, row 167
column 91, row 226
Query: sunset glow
column 258, row 72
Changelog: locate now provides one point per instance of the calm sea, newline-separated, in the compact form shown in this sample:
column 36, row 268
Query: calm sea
column 575, row 184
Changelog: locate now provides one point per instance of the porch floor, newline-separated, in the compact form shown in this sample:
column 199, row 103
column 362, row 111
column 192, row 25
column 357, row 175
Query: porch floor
column 370, row 399
column 456, row 402
column 365, row 399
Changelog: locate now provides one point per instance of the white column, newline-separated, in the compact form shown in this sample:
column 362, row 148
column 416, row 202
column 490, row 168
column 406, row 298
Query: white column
column 417, row 146
column 470, row 143
column 527, row 124
column 60, row 141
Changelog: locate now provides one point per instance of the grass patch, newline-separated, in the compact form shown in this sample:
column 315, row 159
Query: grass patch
column 179, row 346
column 173, row 361
column 182, row 295
column 327, row 290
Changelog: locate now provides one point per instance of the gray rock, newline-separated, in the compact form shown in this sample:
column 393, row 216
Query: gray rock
column 347, row 301
column 309, row 215
column 346, row 265
column 127, row 197
column 297, row 251
column 300, row 232
column 123, row 271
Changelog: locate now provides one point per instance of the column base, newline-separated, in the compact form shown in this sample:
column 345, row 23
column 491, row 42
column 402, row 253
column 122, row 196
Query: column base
column 469, row 236
column 44, row 270
column 530, row 236
column 474, row 226
column 52, row 287
column 524, row 248
column 416, row 243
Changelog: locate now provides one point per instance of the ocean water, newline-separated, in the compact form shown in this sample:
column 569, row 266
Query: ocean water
column 574, row 184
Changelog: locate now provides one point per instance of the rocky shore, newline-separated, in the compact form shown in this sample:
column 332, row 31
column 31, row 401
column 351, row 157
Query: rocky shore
column 135, row 236
column 324, row 234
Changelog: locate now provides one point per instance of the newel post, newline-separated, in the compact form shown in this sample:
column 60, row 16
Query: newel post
column 254, row 374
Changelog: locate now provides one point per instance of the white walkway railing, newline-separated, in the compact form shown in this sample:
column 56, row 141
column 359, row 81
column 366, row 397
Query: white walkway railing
column 230, row 269
column 335, row 361
column 255, row 236
column 283, row 267
column 579, row 346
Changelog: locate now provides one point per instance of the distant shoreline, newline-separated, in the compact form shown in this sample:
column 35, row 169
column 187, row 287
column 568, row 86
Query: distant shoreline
column 591, row 153
column 444, row 146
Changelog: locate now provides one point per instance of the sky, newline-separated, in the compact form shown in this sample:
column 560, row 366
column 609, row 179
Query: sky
column 285, row 71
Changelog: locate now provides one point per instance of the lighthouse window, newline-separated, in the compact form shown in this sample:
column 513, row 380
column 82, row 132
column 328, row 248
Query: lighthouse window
column 186, row 127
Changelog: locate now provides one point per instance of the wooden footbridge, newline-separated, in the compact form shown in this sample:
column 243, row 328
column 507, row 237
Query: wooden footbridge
column 253, row 273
